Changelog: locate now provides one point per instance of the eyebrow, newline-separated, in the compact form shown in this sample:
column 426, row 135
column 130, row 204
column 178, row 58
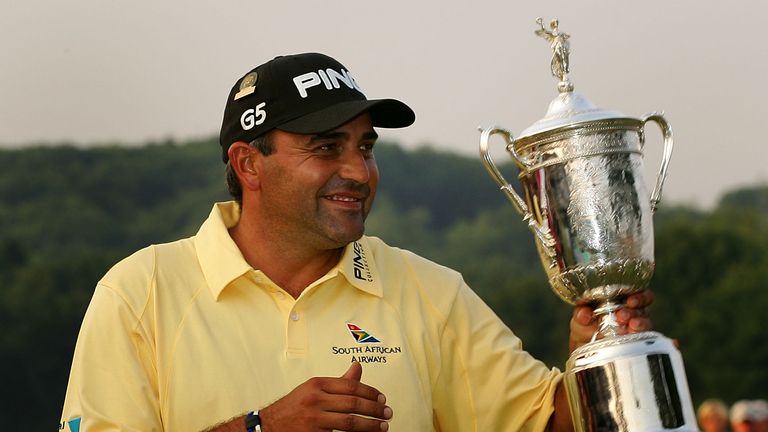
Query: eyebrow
column 342, row 135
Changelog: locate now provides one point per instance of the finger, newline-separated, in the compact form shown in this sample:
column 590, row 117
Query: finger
column 629, row 323
column 355, row 405
column 343, row 386
column 582, row 327
column 625, row 315
column 355, row 372
column 639, row 324
column 640, row 299
column 352, row 423
column 583, row 315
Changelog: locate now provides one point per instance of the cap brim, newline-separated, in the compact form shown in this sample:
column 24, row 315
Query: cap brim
column 386, row 113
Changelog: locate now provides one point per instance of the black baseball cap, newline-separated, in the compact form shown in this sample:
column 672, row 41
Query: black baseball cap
column 303, row 93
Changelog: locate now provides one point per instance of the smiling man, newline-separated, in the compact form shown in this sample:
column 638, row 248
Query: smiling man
column 281, row 315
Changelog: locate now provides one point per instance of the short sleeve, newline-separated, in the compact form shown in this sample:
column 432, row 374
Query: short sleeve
column 486, row 381
column 113, row 383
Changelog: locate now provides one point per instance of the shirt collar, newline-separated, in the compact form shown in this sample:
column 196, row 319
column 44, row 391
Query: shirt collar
column 222, row 262
column 359, row 268
column 219, row 257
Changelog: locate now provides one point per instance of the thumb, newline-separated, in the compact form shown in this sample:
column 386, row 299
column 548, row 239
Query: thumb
column 355, row 372
column 583, row 315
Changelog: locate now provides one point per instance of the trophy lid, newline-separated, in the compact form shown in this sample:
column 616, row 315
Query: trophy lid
column 568, row 108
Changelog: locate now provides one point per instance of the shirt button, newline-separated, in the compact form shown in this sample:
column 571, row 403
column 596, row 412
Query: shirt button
column 294, row 316
column 280, row 295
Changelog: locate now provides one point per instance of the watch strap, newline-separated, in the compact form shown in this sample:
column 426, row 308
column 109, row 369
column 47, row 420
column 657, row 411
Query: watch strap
column 253, row 422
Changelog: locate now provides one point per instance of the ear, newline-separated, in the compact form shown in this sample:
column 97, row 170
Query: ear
column 245, row 160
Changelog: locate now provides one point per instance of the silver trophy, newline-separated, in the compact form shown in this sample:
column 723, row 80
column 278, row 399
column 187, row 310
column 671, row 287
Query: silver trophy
column 586, row 202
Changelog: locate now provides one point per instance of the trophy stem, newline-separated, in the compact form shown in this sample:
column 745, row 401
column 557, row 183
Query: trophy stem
column 606, row 314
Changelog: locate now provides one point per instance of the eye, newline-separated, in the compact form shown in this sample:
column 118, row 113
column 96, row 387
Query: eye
column 367, row 149
column 327, row 147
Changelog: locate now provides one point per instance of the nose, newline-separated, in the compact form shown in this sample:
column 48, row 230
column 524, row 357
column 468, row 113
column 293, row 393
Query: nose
column 354, row 166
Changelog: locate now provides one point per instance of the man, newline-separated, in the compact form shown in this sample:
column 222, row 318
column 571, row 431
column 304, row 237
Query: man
column 712, row 416
column 279, row 315
column 749, row 416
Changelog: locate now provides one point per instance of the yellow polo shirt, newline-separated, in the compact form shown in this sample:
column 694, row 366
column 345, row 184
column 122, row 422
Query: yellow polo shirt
column 185, row 335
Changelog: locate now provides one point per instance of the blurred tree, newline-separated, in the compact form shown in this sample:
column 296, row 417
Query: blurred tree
column 709, row 284
column 451, row 186
column 754, row 198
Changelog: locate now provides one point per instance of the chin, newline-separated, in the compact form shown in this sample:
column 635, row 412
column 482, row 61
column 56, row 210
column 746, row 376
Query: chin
column 345, row 238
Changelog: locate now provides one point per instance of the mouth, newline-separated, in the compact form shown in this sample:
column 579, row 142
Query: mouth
column 345, row 194
column 342, row 198
column 351, row 201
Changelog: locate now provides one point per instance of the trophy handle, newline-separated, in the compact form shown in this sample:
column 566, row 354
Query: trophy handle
column 666, row 129
column 542, row 233
column 505, row 186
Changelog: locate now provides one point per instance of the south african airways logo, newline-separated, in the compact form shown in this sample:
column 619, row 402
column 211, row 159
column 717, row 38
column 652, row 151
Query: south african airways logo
column 360, row 335
column 367, row 349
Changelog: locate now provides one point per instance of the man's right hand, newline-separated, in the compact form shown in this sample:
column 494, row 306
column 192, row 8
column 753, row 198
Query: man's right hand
column 324, row 404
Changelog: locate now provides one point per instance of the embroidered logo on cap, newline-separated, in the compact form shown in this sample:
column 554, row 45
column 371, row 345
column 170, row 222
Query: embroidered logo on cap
column 328, row 77
column 247, row 85
column 360, row 335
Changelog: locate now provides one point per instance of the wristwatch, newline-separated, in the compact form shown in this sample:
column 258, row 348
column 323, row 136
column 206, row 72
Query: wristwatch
column 253, row 422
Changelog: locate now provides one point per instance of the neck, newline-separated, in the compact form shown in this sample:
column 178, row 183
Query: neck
column 293, row 267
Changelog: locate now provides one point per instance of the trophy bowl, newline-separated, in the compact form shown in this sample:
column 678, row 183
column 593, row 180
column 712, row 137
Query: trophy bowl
column 586, row 201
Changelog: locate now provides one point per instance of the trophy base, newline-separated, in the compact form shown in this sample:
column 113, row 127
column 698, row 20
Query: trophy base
column 630, row 383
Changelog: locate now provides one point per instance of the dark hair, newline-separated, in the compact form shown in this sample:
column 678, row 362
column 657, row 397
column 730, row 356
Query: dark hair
column 264, row 145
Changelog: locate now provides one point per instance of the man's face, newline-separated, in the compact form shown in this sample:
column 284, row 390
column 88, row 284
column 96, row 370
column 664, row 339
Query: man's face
column 742, row 426
column 318, row 189
column 713, row 422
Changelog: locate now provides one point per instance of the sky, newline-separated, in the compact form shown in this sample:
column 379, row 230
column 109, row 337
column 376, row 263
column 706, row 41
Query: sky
column 96, row 72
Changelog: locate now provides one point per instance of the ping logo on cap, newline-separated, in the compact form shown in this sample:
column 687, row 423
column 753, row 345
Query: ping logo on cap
column 328, row 77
